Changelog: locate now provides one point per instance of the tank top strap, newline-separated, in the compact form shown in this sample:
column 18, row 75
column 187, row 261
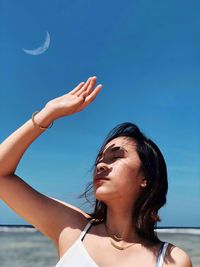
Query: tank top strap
column 85, row 230
column 161, row 255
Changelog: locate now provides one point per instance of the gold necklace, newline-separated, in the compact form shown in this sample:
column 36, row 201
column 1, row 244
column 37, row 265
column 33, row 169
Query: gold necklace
column 114, row 236
column 118, row 238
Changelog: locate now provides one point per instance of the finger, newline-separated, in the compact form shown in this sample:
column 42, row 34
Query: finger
column 89, row 98
column 87, row 87
column 77, row 88
column 91, row 87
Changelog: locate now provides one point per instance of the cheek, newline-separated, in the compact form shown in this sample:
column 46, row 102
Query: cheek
column 130, row 170
column 123, row 179
column 130, row 177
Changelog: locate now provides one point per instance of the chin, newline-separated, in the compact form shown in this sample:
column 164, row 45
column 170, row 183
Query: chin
column 99, row 192
column 102, row 195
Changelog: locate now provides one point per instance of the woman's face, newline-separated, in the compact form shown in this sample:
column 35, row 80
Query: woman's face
column 118, row 171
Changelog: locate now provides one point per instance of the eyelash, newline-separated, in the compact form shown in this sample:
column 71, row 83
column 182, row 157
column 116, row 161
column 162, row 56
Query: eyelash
column 113, row 157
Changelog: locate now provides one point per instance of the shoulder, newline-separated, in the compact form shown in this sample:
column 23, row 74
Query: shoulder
column 176, row 257
column 71, row 222
column 76, row 221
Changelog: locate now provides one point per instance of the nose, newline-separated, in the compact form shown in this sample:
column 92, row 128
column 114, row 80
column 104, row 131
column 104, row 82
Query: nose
column 101, row 166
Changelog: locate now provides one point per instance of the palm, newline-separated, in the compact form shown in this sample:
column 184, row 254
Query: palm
column 76, row 100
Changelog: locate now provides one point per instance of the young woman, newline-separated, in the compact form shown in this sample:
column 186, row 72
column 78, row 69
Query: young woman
column 129, row 184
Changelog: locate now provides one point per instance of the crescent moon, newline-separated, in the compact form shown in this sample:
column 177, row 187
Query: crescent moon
column 41, row 49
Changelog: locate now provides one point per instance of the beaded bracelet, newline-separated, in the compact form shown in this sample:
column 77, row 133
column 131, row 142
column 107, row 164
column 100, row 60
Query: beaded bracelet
column 37, row 125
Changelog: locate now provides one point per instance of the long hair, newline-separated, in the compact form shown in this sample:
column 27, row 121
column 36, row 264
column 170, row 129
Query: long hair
column 153, row 197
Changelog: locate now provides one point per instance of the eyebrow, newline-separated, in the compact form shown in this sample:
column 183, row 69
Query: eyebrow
column 114, row 149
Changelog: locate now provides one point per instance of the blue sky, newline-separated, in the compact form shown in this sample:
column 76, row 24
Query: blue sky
column 147, row 56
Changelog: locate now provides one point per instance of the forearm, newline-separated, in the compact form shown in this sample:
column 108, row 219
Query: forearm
column 13, row 148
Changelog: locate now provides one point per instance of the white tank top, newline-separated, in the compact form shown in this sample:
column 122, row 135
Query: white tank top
column 77, row 255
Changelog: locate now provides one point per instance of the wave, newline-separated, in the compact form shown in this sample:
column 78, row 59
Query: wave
column 191, row 231
column 17, row 229
column 171, row 230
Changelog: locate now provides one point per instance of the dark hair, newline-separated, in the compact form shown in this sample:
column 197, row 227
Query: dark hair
column 153, row 196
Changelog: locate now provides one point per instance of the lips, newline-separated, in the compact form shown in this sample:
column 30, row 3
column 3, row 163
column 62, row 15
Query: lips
column 100, row 181
column 99, row 178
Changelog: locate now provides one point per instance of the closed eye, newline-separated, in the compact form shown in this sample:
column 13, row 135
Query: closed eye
column 108, row 159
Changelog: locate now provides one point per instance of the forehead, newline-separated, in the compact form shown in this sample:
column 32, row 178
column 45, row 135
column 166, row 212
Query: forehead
column 121, row 142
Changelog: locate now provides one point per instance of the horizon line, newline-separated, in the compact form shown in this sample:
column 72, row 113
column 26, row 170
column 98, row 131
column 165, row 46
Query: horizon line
column 157, row 227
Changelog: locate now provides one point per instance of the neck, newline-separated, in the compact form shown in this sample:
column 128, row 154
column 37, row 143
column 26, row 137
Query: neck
column 119, row 221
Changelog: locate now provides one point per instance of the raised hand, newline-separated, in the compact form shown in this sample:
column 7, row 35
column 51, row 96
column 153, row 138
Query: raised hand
column 76, row 100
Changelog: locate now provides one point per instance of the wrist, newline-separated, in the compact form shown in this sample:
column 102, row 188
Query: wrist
column 42, row 119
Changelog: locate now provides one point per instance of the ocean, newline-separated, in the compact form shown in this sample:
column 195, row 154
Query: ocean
column 22, row 246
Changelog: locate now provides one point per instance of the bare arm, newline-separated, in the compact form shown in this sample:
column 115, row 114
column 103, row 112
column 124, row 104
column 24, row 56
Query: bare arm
column 13, row 148
column 46, row 214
